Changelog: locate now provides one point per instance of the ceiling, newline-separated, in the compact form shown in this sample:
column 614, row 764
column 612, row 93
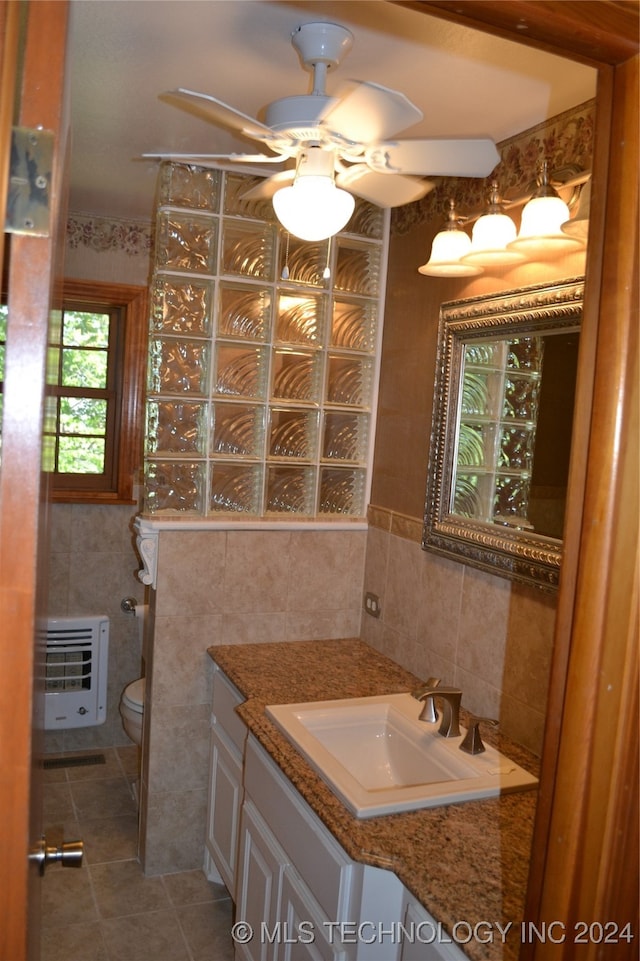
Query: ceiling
column 123, row 53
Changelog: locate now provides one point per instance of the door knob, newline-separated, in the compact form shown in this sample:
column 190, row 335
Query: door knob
column 69, row 854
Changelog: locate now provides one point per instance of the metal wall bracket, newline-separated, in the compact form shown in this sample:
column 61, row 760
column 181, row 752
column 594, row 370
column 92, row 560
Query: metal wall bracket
column 29, row 197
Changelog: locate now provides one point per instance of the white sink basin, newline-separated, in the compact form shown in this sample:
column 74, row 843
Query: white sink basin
column 376, row 755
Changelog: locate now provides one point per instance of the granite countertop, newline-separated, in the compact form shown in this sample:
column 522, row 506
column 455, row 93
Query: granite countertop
column 467, row 863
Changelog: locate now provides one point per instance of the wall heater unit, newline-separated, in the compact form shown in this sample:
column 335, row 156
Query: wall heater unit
column 76, row 672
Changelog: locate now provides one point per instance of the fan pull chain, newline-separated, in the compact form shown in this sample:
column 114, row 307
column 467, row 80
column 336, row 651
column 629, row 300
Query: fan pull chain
column 326, row 273
column 285, row 270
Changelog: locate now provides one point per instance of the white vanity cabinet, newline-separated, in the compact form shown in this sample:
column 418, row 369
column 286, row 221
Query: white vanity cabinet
column 228, row 736
column 301, row 894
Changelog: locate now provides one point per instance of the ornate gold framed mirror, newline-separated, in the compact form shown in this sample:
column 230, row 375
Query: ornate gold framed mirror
column 501, row 430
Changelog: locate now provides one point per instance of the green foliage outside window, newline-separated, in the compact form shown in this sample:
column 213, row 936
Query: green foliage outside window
column 82, row 361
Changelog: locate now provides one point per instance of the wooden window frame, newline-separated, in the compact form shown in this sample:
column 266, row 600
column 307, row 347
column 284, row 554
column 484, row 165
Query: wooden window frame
column 119, row 487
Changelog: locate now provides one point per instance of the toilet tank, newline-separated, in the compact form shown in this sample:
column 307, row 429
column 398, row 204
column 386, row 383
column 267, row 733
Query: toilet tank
column 76, row 669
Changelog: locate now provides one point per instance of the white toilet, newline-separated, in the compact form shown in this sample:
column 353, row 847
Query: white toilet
column 132, row 709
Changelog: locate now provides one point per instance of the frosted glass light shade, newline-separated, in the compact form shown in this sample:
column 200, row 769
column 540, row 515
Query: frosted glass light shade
column 313, row 208
column 447, row 249
column 578, row 226
column 489, row 238
column 541, row 233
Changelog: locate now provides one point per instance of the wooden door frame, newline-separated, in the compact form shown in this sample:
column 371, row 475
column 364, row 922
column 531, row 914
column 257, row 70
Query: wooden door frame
column 584, row 863
column 40, row 58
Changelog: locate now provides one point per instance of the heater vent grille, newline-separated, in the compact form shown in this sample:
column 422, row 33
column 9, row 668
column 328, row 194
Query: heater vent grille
column 75, row 680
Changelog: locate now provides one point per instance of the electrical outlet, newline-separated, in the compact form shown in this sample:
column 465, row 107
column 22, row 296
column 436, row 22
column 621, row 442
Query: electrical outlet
column 372, row 604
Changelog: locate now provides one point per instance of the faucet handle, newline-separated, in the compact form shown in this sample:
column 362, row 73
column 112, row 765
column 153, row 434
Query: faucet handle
column 472, row 743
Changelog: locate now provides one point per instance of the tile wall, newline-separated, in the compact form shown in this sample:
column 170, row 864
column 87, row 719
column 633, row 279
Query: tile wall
column 491, row 638
column 92, row 567
column 225, row 587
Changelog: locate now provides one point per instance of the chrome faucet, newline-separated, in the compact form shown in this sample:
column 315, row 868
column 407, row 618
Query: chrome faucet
column 451, row 698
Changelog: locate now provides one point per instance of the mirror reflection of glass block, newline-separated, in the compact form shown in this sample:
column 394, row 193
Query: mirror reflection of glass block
column 345, row 436
column 184, row 185
column 341, row 491
column 241, row 373
column 176, row 486
column 244, row 312
column 186, row 242
column 176, row 427
column 289, row 490
column 178, row 366
column 354, row 324
column 357, row 267
column 181, row 306
column 235, row 488
column 300, row 319
column 238, row 429
column 512, row 496
column 248, row 249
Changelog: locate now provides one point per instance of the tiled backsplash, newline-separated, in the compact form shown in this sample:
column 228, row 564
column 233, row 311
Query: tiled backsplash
column 438, row 617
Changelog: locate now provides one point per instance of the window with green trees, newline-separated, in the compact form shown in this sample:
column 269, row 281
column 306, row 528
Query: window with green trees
column 84, row 367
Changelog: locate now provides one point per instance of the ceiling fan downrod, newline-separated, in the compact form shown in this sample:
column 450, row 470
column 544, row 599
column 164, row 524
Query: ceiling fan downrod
column 321, row 47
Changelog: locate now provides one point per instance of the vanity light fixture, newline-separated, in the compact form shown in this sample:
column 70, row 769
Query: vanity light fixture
column 578, row 226
column 491, row 235
column 312, row 207
column 541, row 235
column 495, row 241
column 448, row 248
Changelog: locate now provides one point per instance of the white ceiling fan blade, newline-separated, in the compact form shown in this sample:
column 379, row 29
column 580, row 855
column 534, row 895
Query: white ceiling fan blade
column 216, row 111
column 381, row 189
column 437, row 158
column 199, row 158
column 367, row 113
column 270, row 186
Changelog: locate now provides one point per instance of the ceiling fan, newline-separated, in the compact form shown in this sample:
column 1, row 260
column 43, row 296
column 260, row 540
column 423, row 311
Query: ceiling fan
column 335, row 147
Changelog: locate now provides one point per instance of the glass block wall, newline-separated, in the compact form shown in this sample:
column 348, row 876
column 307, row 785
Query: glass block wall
column 262, row 357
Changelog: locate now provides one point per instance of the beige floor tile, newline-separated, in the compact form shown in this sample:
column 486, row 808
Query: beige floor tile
column 95, row 772
column 110, row 797
column 129, row 757
column 67, row 897
column 73, row 942
column 109, row 839
column 207, row 930
column 120, row 889
column 156, row 936
column 192, row 887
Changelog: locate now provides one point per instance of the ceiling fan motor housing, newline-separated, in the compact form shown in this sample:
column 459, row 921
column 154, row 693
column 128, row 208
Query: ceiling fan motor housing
column 326, row 43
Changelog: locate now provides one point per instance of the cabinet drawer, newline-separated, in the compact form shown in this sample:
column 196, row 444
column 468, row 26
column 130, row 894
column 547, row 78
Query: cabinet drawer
column 226, row 698
column 310, row 847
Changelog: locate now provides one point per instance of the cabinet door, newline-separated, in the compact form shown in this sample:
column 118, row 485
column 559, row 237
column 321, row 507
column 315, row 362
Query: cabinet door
column 306, row 934
column 424, row 939
column 225, row 800
column 260, row 871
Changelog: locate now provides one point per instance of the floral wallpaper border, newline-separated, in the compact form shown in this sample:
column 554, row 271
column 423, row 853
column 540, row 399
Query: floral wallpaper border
column 102, row 235
column 562, row 140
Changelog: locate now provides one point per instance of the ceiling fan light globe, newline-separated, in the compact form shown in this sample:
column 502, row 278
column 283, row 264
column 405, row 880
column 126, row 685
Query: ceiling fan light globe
column 313, row 208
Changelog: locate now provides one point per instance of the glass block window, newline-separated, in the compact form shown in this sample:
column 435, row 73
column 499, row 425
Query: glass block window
column 263, row 365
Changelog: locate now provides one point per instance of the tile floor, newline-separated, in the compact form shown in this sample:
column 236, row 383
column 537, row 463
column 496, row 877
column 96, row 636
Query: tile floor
column 107, row 910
